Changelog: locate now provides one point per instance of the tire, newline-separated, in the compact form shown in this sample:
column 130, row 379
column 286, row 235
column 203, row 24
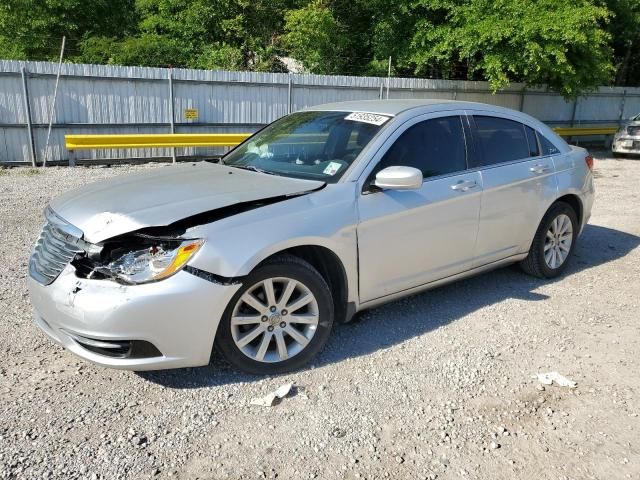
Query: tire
column 276, row 327
column 535, row 263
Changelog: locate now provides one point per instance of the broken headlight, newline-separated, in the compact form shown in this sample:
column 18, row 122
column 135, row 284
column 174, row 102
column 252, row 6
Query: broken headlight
column 151, row 264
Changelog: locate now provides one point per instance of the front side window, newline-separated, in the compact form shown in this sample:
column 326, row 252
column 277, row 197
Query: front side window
column 501, row 140
column 308, row 145
column 435, row 147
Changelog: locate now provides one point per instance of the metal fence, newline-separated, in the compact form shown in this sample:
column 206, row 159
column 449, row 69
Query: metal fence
column 113, row 99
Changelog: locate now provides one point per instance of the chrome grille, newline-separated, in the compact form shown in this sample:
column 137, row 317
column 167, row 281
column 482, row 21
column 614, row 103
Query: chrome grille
column 57, row 245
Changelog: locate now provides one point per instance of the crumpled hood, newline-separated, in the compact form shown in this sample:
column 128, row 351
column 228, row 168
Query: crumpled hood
column 162, row 196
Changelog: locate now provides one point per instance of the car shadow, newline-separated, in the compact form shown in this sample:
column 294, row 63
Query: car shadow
column 419, row 314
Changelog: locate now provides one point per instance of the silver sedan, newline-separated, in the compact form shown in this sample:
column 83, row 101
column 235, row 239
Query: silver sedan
column 324, row 213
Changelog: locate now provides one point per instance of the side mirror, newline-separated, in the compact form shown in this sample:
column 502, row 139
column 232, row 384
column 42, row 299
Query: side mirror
column 399, row 178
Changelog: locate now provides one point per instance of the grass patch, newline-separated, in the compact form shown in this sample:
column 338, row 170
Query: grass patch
column 30, row 172
column 4, row 171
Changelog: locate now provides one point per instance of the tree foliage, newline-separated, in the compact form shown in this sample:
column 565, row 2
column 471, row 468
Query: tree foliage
column 314, row 36
column 555, row 42
column 569, row 45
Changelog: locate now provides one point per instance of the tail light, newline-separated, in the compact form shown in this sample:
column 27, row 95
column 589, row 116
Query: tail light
column 589, row 161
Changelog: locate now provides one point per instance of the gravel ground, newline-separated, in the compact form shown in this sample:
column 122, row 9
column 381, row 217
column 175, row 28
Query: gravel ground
column 434, row 386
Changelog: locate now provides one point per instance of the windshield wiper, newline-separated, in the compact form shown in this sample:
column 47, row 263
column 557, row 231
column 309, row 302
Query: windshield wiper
column 252, row 168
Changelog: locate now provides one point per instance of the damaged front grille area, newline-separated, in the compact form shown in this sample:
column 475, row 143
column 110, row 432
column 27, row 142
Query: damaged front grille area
column 56, row 247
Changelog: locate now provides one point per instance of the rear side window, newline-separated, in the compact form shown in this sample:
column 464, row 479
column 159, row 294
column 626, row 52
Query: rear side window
column 548, row 148
column 501, row 140
column 435, row 147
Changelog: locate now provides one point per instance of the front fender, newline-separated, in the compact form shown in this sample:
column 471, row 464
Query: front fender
column 326, row 218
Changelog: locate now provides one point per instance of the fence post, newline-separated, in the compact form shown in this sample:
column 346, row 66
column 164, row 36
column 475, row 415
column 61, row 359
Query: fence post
column 523, row 94
column 573, row 113
column 388, row 77
column 622, row 102
column 171, row 113
column 289, row 94
column 27, row 108
column 573, row 118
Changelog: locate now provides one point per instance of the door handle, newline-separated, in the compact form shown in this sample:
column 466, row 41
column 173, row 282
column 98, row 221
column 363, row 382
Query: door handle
column 539, row 169
column 463, row 186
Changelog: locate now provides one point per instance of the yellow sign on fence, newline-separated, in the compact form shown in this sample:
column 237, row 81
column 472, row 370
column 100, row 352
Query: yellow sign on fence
column 191, row 113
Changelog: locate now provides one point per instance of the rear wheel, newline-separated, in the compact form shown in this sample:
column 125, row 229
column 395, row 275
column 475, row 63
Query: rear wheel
column 279, row 320
column 553, row 242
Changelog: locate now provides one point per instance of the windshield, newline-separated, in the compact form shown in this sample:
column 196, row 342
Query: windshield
column 309, row 145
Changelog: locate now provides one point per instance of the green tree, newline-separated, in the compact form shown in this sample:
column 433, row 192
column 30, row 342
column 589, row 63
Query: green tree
column 316, row 38
column 560, row 43
column 33, row 29
column 624, row 29
column 570, row 45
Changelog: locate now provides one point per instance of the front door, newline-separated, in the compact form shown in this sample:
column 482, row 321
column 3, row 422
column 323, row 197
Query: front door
column 410, row 238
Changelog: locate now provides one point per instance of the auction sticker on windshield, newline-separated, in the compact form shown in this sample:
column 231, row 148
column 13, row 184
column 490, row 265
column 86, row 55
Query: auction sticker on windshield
column 372, row 118
column 332, row 168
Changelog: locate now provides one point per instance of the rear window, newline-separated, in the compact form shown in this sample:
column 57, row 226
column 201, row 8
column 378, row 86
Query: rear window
column 501, row 140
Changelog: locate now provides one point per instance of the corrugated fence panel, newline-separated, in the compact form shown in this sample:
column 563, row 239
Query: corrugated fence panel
column 117, row 99
column 595, row 108
column 502, row 100
column 16, row 146
column 11, row 101
column 548, row 107
column 307, row 96
column 631, row 107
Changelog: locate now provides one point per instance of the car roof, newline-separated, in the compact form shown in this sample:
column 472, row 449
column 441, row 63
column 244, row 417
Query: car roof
column 396, row 106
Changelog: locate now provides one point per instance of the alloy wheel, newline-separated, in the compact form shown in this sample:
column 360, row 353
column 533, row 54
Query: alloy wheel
column 558, row 240
column 274, row 320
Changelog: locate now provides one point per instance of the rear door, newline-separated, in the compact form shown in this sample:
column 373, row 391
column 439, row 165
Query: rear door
column 517, row 182
column 409, row 238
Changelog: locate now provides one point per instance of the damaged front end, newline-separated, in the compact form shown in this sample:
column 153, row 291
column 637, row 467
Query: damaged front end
column 132, row 258
column 146, row 255
column 136, row 258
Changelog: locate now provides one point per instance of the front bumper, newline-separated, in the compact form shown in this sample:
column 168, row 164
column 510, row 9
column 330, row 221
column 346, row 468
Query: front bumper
column 626, row 145
column 179, row 316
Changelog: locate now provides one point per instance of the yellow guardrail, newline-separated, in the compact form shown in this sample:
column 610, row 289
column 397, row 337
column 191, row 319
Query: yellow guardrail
column 584, row 131
column 93, row 142
column 153, row 140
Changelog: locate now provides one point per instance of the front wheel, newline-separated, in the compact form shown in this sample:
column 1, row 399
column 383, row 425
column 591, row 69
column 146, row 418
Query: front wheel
column 553, row 242
column 279, row 319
